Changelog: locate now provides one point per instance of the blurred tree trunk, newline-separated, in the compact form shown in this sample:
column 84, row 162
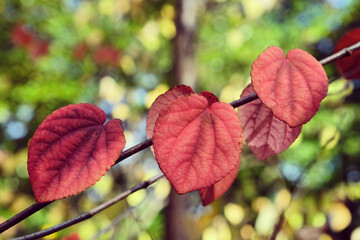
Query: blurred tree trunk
column 184, row 72
column 184, row 69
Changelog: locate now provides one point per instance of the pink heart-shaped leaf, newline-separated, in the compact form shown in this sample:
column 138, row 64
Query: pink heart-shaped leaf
column 71, row 150
column 291, row 87
column 265, row 134
column 210, row 194
column 160, row 102
column 349, row 67
column 197, row 141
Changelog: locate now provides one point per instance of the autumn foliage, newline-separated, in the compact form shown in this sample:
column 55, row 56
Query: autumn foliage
column 197, row 140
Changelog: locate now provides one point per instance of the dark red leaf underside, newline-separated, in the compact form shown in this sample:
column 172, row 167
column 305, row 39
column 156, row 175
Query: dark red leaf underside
column 265, row 134
column 210, row 194
column 349, row 67
column 160, row 102
column 71, row 150
column 197, row 141
column 292, row 87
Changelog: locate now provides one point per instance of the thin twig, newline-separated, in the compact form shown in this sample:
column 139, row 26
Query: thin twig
column 147, row 143
column 92, row 212
column 38, row 206
column 113, row 223
column 277, row 227
column 22, row 215
column 345, row 52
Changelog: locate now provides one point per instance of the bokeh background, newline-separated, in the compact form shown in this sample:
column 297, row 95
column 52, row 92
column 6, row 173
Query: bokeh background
column 120, row 55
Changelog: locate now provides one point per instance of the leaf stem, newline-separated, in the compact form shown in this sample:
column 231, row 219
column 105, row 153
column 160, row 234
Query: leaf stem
column 92, row 212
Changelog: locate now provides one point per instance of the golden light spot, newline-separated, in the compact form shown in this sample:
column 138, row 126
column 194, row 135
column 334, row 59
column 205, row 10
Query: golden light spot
column 340, row 217
column 234, row 213
column 136, row 198
column 283, row 199
column 247, row 231
column 151, row 96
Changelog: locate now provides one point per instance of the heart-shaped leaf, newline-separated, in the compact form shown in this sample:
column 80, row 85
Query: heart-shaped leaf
column 160, row 102
column 197, row 141
column 210, row 194
column 265, row 134
column 349, row 67
column 71, row 150
column 291, row 87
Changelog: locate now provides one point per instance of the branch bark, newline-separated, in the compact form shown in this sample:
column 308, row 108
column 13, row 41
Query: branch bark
column 92, row 212
column 147, row 143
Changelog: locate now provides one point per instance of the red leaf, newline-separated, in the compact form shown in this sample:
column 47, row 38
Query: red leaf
column 21, row 36
column 292, row 87
column 80, row 50
column 265, row 134
column 160, row 102
column 349, row 67
column 107, row 56
column 197, row 141
column 71, row 150
column 210, row 194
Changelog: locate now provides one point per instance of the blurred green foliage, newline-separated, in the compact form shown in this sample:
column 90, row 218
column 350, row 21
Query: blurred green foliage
column 117, row 54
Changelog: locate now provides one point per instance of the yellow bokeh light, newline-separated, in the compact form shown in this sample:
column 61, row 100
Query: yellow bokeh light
column 144, row 236
column 95, row 37
column 162, row 189
column 230, row 93
column 324, row 236
column 136, row 198
column 87, row 229
column 219, row 229
column 266, row 219
column 122, row 6
column 247, row 231
column 355, row 235
column 121, row 111
column 256, row 8
column 167, row 28
column 167, row 11
column 106, row 7
column 209, row 234
column 152, row 95
column 260, row 202
column 110, row 90
column 84, row 14
column 295, row 219
column 340, row 217
column 235, row 38
column 149, row 36
column 127, row 64
column 329, row 136
column 319, row 219
column 283, row 199
column 234, row 213
column 104, row 185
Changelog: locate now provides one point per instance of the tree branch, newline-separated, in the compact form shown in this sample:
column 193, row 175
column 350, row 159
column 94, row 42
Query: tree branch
column 92, row 212
column 147, row 143
column 22, row 215
column 345, row 52
column 38, row 206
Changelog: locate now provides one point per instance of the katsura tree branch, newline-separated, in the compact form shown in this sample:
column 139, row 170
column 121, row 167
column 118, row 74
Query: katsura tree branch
column 345, row 52
column 22, row 215
column 92, row 212
column 38, row 206
column 147, row 143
